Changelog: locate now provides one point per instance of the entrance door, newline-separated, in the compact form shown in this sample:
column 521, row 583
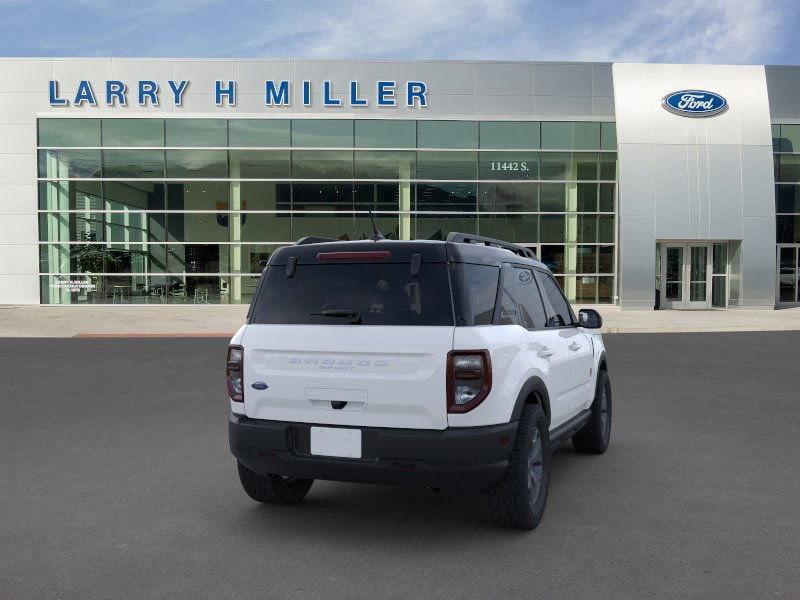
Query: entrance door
column 686, row 276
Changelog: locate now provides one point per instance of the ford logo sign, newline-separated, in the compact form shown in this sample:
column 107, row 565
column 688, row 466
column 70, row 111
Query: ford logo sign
column 259, row 385
column 695, row 103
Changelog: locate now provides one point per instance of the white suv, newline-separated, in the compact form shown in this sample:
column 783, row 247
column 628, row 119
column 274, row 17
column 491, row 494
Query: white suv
column 454, row 364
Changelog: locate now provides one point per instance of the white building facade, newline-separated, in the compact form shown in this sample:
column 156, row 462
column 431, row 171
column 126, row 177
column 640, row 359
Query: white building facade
column 172, row 181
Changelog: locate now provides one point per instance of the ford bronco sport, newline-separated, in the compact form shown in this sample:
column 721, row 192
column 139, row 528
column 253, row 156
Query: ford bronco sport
column 454, row 365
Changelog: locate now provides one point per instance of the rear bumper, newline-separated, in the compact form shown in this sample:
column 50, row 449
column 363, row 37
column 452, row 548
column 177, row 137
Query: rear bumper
column 469, row 459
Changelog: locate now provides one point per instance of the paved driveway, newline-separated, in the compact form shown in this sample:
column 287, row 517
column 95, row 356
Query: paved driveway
column 117, row 483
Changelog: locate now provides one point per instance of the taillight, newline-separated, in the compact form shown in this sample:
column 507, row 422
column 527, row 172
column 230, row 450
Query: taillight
column 234, row 371
column 469, row 379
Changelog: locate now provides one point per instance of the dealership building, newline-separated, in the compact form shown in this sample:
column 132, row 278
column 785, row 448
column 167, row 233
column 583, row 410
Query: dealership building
column 160, row 181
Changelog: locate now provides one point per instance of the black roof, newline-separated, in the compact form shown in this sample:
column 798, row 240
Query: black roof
column 476, row 250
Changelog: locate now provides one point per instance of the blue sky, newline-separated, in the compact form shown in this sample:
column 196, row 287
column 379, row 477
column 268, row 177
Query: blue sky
column 711, row 31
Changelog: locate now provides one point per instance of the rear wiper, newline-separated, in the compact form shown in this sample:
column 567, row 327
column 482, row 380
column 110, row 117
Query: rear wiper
column 352, row 314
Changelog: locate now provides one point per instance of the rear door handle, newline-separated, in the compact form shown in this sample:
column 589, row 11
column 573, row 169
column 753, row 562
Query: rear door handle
column 545, row 353
column 574, row 346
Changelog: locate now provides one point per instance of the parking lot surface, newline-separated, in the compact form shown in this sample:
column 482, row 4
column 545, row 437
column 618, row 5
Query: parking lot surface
column 116, row 482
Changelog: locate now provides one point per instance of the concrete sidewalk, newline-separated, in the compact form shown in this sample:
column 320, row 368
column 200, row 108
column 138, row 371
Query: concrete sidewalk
column 223, row 320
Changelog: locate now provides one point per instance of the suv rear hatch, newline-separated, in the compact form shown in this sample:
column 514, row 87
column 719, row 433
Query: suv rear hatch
column 350, row 338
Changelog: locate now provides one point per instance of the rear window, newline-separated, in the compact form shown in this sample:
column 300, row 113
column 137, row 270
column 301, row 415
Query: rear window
column 343, row 294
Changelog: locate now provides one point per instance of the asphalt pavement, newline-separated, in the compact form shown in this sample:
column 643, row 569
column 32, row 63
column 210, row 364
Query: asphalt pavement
column 116, row 482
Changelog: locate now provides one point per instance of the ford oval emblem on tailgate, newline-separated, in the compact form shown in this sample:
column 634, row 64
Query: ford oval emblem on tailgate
column 259, row 385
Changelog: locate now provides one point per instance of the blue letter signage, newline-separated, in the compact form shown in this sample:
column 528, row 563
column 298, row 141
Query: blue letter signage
column 695, row 103
column 147, row 93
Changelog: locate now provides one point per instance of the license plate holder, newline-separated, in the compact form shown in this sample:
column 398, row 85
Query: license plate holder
column 336, row 441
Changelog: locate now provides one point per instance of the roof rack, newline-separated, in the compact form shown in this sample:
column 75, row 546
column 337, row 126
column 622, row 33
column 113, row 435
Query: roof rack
column 311, row 239
column 469, row 238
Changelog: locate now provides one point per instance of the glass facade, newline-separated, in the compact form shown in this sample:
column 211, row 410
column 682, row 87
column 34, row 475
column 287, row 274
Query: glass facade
column 786, row 148
column 189, row 210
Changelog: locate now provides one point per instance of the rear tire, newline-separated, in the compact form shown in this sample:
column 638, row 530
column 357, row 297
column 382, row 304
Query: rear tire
column 596, row 434
column 273, row 489
column 518, row 500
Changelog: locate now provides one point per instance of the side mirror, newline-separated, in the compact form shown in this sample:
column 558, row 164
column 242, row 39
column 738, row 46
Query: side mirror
column 588, row 318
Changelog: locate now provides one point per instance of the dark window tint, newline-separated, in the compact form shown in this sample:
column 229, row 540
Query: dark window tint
column 530, row 301
column 509, row 309
column 382, row 294
column 478, row 291
column 562, row 312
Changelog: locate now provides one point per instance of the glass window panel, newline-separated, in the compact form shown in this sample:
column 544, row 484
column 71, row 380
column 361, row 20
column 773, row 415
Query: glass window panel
column 553, row 228
column 553, row 258
column 585, row 165
column 586, row 289
column 265, row 227
column 789, row 170
column 605, row 290
column 338, row 225
column 787, row 264
column 447, row 165
column 557, row 135
column 198, row 227
column 788, row 229
column 259, row 133
column 587, row 228
column 534, row 315
column 509, row 134
column 605, row 228
column 382, row 133
column 438, row 227
column 608, row 136
column 508, row 197
column 608, row 166
column 101, row 258
column 71, row 227
column 605, row 260
column 69, row 132
column 63, row 164
column 198, row 195
column 197, row 163
column 447, row 197
column 586, row 259
column 587, row 197
column 382, row 196
column 322, row 133
column 134, row 227
column 787, row 288
column 263, row 195
column 70, row 195
column 447, row 134
column 322, row 197
column 517, row 228
column 197, row 133
column 553, row 197
column 385, row 164
column 133, row 132
column 260, row 164
column 790, row 138
column 720, row 262
column 718, row 292
column 388, row 224
column 134, row 195
column 559, row 304
column 787, row 198
column 509, row 165
column 198, row 289
column 776, row 138
column 587, row 136
column 322, row 164
column 556, row 165
column 197, row 258
column 606, row 197
column 131, row 164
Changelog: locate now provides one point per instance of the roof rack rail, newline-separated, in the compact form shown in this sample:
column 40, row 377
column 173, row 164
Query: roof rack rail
column 311, row 239
column 469, row 238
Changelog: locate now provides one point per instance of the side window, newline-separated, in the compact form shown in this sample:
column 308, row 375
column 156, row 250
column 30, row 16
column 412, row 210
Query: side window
column 507, row 303
column 562, row 312
column 475, row 293
column 530, row 300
